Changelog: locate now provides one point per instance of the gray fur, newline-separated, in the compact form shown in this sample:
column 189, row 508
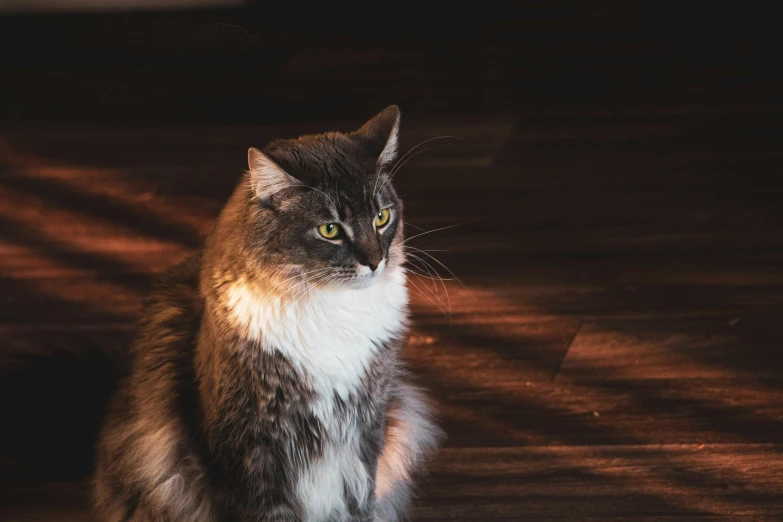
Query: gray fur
column 212, row 426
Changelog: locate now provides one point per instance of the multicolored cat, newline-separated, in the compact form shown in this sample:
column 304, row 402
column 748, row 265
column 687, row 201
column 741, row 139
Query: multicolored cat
column 266, row 381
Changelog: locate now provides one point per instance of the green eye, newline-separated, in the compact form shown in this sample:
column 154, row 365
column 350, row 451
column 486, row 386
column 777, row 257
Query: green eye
column 382, row 218
column 329, row 230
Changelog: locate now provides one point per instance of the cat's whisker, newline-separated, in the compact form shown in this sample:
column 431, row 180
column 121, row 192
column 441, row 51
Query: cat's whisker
column 423, row 275
column 427, row 253
column 409, row 224
column 334, row 282
column 424, row 142
column 380, row 168
column 330, row 279
column 288, row 279
column 413, row 255
column 434, row 295
column 421, row 292
column 432, row 275
column 437, row 230
column 375, row 181
column 426, row 292
column 402, row 161
column 321, row 191
column 294, row 286
column 401, row 164
column 448, row 298
column 416, row 292
column 307, row 287
column 393, row 172
column 425, row 272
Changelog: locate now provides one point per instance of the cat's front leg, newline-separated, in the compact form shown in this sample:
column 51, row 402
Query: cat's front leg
column 257, row 484
column 411, row 437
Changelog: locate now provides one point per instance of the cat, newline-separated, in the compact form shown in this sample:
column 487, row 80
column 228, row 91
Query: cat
column 266, row 382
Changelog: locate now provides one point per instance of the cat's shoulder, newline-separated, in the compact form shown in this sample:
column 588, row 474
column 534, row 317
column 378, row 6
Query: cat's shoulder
column 174, row 302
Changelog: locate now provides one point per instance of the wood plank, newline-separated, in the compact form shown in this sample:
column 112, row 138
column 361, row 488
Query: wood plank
column 604, row 518
column 484, row 410
column 730, row 347
column 496, row 341
column 109, row 298
column 480, row 402
column 54, row 386
column 590, row 483
column 606, row 481
column 60, row 501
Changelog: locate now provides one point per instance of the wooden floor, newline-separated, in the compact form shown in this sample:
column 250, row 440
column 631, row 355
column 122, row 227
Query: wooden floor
column 614, row 350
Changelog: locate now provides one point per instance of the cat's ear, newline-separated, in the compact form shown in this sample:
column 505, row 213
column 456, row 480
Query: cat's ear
column 380, row 134
column 266, row 176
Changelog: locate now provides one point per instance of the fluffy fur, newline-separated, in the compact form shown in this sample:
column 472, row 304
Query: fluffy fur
column 265, row 384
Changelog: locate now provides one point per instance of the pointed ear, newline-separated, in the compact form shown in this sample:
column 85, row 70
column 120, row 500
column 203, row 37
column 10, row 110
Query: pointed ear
column 380, row 134
column 266, row 176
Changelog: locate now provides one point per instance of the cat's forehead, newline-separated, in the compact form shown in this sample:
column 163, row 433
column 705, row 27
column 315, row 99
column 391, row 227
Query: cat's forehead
column 337, row 166
column 324, row 160
column 355, row 198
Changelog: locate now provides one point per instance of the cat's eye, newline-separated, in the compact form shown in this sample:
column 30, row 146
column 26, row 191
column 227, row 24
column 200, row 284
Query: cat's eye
column 329, row 230
column 382, row 218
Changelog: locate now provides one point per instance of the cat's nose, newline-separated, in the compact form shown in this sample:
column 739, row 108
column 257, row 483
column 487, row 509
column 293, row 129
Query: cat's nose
column 368, row 251
column 371, row 266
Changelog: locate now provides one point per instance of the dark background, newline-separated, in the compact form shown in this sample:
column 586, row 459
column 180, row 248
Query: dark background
column 288, row 61
column 614, row 349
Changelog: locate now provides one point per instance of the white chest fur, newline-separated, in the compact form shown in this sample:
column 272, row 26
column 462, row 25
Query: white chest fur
column 332, row 337
column 330, row 334
column 321, row 486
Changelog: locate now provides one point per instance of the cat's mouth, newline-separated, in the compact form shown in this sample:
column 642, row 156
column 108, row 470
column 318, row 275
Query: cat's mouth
column 356, row 277
column 371, row 271
column 365, row 276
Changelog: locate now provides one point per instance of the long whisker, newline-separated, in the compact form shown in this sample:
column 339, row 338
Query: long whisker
column 417, row 292
column 292, row 277
column 401, row 162
column 432, row 275
column 427, row 268
column 334, row 282
column 427, row 253
column 321, row 191
column 422, row 143
column 409, row 224
column 419, row 273
column 448, row 298
column 424, row 272
column 375, row 181
column 394, row 171
column 294, row 286
column 307, row 287
column 438, row 230
column 424, row 295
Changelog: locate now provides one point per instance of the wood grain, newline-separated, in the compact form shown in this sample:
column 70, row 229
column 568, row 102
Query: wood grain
column 730, row 347
column 607, row 481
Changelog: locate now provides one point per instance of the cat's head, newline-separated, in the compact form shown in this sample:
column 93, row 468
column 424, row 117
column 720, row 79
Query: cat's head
column 322, row 208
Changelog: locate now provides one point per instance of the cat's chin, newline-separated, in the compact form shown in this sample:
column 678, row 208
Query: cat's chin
column 362, row 282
